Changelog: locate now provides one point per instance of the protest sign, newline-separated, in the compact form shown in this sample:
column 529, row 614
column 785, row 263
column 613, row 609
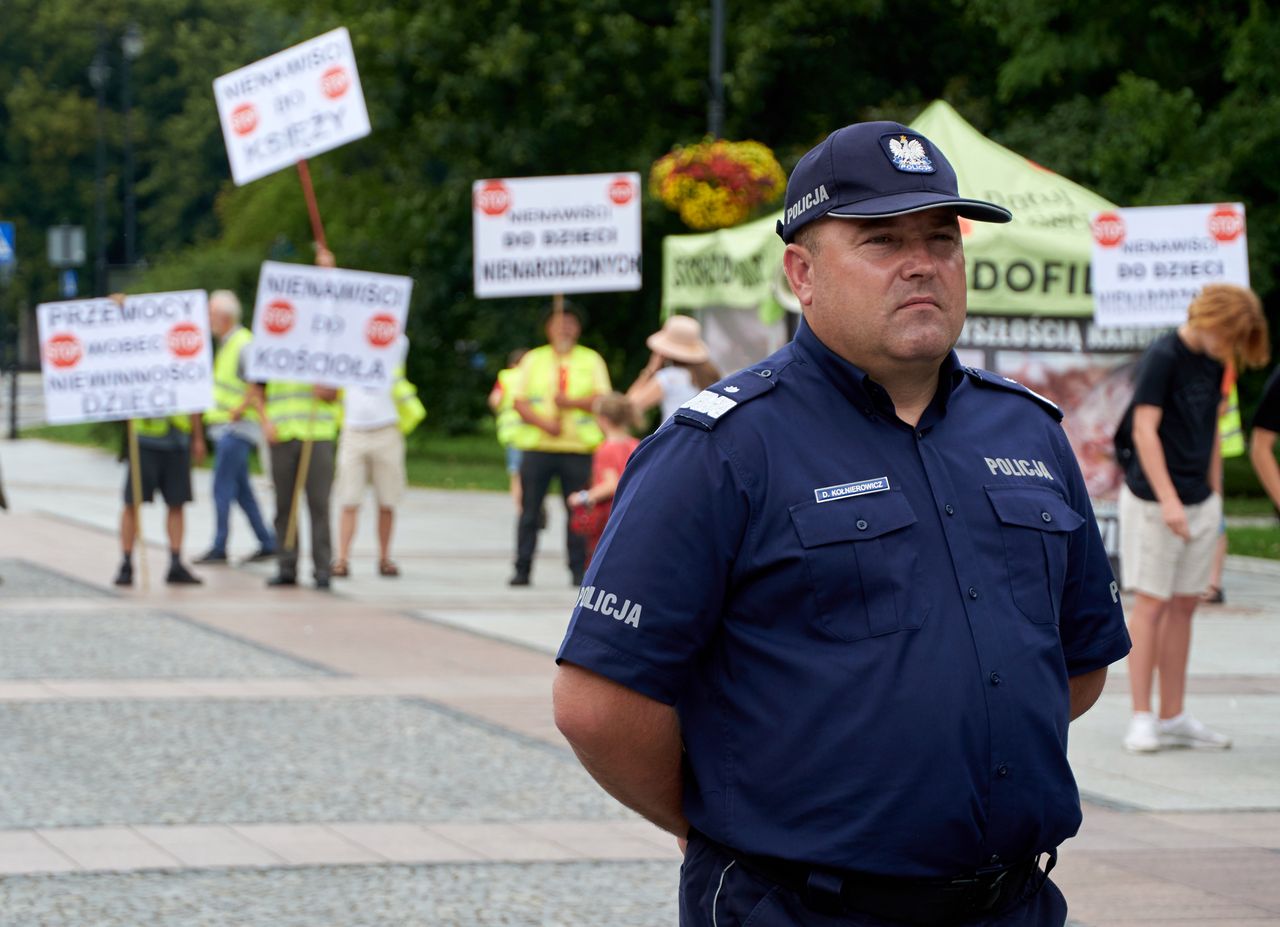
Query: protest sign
column 1150, row 262
column 294, row 104
column 327, row 325
column 536, row 236
column 102, row 361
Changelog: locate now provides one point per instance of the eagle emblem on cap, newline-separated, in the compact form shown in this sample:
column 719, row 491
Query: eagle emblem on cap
column 908, row 154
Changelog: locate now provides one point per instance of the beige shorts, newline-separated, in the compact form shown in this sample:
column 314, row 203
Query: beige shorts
column 1154, row 560
column 369, row 457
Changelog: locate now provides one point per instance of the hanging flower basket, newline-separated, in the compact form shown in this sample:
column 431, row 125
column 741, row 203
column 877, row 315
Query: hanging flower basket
column 717, row 183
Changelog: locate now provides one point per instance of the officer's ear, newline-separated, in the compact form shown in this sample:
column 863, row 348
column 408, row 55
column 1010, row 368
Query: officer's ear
column 797, row 264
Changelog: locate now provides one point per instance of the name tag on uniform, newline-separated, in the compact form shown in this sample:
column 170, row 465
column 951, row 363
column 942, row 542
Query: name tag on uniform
column 845, row 490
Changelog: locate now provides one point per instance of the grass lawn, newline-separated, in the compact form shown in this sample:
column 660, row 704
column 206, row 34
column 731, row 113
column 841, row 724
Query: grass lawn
column 434, row 460
column 1254, row 542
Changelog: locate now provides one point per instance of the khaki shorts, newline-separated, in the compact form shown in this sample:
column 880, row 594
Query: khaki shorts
column 1154, row 560
column 369, row 457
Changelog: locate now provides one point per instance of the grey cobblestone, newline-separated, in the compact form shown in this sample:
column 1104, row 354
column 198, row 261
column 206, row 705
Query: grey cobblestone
column 533, row 895
column 22, row 580
column 128, row 645
column 196, row 761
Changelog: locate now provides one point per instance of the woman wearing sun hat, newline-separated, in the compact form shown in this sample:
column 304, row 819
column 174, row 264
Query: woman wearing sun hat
column 679, row 368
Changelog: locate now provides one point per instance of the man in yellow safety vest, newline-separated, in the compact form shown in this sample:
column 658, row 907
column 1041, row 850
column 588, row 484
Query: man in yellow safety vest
column 554, row 389
column 235, row 426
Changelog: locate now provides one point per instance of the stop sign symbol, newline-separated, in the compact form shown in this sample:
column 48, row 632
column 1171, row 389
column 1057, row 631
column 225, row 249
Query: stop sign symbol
column 381, row 330
column 278, row 316
column 621, row 191
column 334, row 82
column 185, row 340
column 63, row 350
column 1225, row 224
column 493, row 198
column 1108, row 229
column 244, row 119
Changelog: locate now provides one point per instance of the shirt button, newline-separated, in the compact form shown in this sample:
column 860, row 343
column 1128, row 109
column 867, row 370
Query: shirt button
column 995, row 679
column 1002, row 770
column 995, row 858
column 862, row 524
column 1046, row 517
column 950, row 510
column 973, row 593
column 920, row 434
column 766, row 373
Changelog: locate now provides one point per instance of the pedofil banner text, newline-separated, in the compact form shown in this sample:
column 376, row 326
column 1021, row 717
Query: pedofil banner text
column 292, row 105
column 327, row 325
column 103, row 361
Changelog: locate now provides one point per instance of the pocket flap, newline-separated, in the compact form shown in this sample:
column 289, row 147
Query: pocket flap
column 1033, row 507
column 856, row 519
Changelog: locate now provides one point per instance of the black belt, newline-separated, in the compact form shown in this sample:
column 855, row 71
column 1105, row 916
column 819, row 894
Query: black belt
column 926, row 902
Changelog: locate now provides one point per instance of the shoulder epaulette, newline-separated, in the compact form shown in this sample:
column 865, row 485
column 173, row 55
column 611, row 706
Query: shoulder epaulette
column 707, row 408
column 987, row 378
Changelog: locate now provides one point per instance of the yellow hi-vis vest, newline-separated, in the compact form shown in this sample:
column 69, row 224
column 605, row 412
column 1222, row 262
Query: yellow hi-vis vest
column 508, row 420
column 1230, row 431
column 159, row 427
column 298, row 415
column 408, row 406
column 228, row 389
column 540, row 376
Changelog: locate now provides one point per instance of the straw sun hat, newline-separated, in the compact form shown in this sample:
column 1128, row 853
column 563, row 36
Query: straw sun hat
column 680, row 339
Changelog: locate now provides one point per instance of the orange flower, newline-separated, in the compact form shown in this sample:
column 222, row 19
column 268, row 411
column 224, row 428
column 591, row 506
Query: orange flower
column 717, row 183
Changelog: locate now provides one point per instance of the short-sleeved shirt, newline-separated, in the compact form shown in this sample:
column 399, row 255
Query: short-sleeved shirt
column 542, row 374
column 866, row 628
column 1187, row 387
column 677, row 388
column 1267, row 415
column 611, row 455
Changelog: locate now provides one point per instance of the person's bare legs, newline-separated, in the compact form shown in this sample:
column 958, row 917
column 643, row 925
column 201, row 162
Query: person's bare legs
column 386, row 520
column 346, row 531
column 1145, row 622
column 174, row 523
column 1173, row 648
column 1215, row 573
column 128, row 529
column 516, row 489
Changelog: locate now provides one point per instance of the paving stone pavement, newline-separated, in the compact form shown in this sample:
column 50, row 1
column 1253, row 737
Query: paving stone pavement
column 385, row 755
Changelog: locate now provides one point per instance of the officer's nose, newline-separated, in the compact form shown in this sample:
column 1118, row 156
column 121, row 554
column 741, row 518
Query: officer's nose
column 918, row 258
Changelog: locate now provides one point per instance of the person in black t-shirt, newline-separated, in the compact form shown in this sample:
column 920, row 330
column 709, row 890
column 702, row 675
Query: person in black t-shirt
column 1171, row 503
column 1266, row 424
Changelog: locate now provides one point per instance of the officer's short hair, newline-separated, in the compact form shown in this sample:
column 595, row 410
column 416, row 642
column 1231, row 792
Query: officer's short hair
column 225, row 301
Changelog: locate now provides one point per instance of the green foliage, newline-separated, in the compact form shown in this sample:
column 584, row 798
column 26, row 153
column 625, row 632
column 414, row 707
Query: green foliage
column 1251, row 541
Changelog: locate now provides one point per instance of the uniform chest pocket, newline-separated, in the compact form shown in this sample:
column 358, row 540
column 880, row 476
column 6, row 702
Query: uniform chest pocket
column 863, row 567
column 1035, row 525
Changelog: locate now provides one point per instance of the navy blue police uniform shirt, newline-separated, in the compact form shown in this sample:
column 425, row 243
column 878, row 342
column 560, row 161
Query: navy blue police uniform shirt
column 866, row 629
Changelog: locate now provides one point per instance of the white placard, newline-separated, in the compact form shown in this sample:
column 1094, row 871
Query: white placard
column 292, row 105
column 327, row 325
column 535, row 236
column 1149, row 262
column 148, row 358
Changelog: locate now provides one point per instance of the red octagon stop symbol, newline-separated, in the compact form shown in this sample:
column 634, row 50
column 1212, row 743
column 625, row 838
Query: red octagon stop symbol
column 63, row 350
column 185, row 339
column 278, row 316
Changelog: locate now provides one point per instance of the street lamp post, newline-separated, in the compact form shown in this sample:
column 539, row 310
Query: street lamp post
column 131, row 45
column 715, row 105
column 99, row 74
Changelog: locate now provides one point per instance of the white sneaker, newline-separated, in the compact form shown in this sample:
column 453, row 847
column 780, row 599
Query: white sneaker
column 1186, row 731
column 1143, row 736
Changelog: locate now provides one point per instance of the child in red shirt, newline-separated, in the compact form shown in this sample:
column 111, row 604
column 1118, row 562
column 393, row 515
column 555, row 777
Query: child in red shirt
column 589, row 508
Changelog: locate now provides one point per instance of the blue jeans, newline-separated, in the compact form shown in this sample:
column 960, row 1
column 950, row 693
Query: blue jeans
column 231, row 484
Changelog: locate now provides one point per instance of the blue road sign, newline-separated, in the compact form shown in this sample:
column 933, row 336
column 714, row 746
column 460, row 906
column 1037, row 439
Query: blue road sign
column 8, row 252
column 69, row 284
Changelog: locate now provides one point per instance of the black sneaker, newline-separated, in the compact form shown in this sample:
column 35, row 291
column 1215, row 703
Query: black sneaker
column 212, row 556
column 181, row 576
column 322, row 583
column 282, row 580
column 520, row 579
column 261, row 554
column 125, row 576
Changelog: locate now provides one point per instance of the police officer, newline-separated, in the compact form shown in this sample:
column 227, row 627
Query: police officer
column 850, row 598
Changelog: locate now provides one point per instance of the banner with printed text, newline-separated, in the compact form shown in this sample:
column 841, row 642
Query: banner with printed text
column 292, row 105
column 327, row 326
column 103, row 361
column 536, row 236
column 1149, row 262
